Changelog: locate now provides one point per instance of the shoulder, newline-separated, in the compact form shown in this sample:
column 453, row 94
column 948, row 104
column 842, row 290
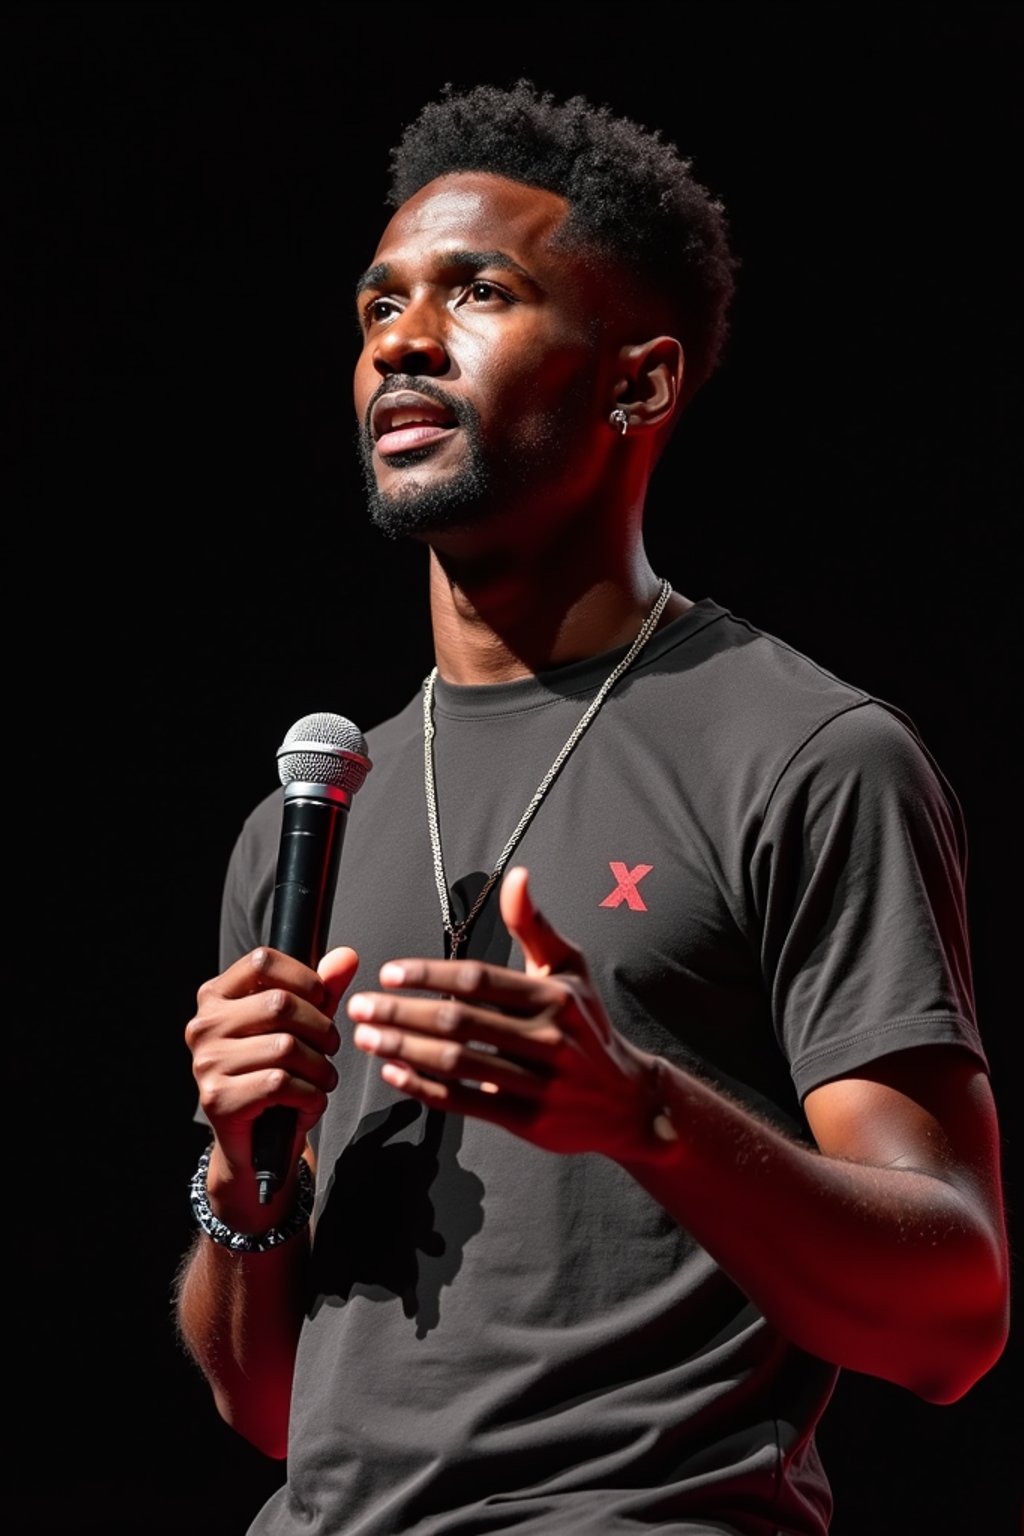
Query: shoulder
column 753, row 716
column 814, row 720
column 870, row 753
column 738, row 686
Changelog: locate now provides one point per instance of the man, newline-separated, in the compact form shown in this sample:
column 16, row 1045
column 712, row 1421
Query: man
column 655, row 1094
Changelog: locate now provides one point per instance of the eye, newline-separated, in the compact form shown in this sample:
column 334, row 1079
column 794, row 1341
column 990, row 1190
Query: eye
column 377, row 311
column 480, row 291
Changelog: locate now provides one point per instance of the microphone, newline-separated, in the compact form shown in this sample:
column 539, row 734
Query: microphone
column 322, row 762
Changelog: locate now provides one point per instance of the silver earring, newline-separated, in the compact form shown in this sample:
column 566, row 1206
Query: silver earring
column 619, row 419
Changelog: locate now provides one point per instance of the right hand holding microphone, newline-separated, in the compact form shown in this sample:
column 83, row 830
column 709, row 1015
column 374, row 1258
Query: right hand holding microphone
column 262, row 1035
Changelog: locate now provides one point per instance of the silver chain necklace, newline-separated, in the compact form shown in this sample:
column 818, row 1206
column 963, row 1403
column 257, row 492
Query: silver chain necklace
column 457, row 931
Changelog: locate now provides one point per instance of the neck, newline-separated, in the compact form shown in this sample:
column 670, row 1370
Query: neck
column 498, row 619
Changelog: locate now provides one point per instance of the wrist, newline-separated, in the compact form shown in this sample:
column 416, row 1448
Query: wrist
column 234, row 1193
column 660, row 1155
column 654, row 1136
column 662, row 1125
column 292, row 1214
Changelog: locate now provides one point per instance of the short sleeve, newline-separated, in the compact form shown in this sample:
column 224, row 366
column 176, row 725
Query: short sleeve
column 248, row 889
column 860, row 876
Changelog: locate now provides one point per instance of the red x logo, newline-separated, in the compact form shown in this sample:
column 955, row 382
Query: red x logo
column 626, row 890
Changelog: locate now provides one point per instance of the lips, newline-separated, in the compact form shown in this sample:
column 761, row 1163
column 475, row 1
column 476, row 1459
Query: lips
column 406, row 420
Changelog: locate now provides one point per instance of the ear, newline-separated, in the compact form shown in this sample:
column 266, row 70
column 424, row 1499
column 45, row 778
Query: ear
column 650, row 381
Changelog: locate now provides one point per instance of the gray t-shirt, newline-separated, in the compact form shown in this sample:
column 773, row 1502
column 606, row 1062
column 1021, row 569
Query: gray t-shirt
column 764, row 868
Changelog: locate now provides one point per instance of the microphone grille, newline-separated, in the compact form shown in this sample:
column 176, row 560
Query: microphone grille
column 324, row 749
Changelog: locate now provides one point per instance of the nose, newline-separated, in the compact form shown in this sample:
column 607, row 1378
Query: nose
column 411, row 344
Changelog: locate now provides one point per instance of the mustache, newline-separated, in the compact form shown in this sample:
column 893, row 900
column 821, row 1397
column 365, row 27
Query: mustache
column 464, row 413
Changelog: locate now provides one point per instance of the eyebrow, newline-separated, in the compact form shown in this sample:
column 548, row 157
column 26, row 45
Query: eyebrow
column 380, row 275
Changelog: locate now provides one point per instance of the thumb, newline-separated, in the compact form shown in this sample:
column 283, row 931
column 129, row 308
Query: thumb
column 545, row 949
column 336, row 970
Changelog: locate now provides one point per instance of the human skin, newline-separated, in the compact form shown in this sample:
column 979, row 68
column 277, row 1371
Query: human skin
column 882, row 1248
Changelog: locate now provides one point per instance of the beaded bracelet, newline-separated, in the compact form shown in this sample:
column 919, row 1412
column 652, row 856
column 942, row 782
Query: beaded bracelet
column 249, row 1242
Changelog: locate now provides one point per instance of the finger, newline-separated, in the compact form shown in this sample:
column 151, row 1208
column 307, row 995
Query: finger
column 450, row 1060
column 242, row 1078
column 481, row 1102
column 280, row 1055
column 242, row 1097
column 546, row 951
column 535, row 1039
column 262, row 968
column 261, row 1013
column 275, row 1057
column 493, row 985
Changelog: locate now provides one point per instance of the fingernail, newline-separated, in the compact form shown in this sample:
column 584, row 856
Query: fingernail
column 360, row 1006
column 367, row 1037
column 392, row 973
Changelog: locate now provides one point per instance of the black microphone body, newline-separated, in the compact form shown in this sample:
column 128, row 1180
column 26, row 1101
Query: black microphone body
column 330, row 755
column 312, row 830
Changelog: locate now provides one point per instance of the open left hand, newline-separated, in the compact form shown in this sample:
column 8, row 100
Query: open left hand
column 533, row 1051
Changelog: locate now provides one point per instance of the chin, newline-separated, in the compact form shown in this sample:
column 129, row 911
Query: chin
column 423, row 506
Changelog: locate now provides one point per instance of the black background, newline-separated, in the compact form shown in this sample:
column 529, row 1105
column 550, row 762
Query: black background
column 189, row 191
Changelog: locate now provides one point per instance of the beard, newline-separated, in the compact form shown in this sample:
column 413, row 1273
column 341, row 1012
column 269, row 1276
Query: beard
column 420, row 509
column 488, row 480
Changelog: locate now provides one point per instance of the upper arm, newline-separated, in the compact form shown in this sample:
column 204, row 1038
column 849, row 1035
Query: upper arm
column 860, row 874
column 929, row 1108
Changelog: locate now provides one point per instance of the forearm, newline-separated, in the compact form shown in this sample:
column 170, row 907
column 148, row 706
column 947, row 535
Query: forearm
column 239, row 1313
column 884, row 1250
column 892, row 1271
column 238, row 1316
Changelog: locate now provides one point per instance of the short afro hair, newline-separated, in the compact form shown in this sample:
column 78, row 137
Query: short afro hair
column 632, row 195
